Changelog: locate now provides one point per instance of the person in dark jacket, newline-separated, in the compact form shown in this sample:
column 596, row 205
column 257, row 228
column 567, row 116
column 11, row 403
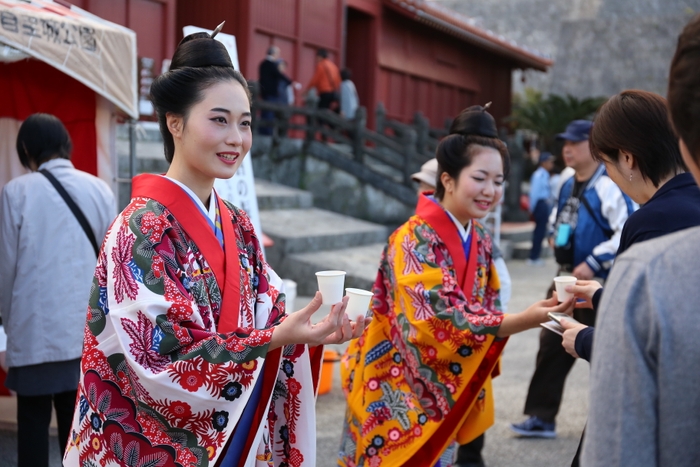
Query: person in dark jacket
column 270, row 76
column 634, row 138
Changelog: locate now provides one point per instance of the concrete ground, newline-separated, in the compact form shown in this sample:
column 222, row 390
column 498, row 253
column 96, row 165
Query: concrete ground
column 503, row 448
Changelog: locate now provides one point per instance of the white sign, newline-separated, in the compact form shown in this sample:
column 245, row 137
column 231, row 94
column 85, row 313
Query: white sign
column 239, row 189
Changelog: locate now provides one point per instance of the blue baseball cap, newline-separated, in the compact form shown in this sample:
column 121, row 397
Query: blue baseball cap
column 576, row 131
column 544, row 157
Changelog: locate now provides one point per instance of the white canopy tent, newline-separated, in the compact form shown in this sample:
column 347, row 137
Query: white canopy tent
column 98, row 54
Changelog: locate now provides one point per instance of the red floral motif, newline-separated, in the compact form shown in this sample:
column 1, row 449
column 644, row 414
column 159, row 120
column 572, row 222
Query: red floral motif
column 180, row 410
column 296, row 458
column 124, row 282
column 101, row 269
column 293, row 386
column 422, row 307
column 142, row 347
column 411, row 263
column 191, row 381
column 158, row 267
column 156, row 225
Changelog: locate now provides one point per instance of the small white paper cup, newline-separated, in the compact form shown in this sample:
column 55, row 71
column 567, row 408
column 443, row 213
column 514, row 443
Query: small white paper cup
column 330, row 284
column 560, row 283
column 358, row 303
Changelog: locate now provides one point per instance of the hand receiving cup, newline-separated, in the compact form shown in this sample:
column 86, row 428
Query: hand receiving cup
column 358, row 302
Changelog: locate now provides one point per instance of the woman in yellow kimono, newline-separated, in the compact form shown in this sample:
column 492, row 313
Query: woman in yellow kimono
column 419, row 378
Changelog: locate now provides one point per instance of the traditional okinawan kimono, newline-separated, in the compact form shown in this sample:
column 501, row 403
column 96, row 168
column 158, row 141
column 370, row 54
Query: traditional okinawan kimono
column 176, row 369
column 419, row 377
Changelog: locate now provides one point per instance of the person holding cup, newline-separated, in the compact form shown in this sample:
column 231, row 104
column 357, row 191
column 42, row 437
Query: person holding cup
column 644, row 401
column 634, row 138
column 190, row 356
column 418, row 381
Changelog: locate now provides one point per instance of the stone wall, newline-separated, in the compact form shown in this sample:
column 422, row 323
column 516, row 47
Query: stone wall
column 600, row 47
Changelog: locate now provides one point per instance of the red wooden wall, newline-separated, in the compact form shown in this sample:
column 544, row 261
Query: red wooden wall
column 427, row 70
column 396, row 60
column 297, row 27
column 152, row 20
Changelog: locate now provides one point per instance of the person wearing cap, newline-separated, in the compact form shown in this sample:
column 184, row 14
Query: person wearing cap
column 588, row 221
column 418, row 381
column 540, row 204
column 427, row 176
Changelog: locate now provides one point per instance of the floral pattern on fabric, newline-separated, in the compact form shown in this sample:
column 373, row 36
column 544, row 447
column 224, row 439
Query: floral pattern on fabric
column 423, row 350
column 159, row 385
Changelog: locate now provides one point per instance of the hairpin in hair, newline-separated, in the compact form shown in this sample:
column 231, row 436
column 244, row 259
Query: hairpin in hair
column 488, row 104
column 218, row 29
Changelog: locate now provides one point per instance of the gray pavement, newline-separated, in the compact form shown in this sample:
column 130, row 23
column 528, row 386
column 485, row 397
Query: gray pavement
column 503, row 448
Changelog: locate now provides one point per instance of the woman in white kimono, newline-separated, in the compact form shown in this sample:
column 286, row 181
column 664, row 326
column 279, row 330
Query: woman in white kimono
column 190, row 358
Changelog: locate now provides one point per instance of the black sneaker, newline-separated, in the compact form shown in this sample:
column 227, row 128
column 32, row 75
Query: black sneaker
column 535, row 427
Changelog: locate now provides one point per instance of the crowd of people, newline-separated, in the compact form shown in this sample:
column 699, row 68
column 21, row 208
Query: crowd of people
column 188, row 355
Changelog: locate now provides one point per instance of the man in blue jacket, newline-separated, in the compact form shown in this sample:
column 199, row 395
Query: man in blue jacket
column 587, row 224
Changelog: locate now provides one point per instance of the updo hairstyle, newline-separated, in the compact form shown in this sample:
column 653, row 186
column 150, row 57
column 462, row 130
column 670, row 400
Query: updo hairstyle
column 199, row 62
column 42, row 137
column 473, row 129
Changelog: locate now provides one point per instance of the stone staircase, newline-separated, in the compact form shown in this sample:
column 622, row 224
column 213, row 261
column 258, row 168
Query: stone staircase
column 308, row 239
column 516, row 241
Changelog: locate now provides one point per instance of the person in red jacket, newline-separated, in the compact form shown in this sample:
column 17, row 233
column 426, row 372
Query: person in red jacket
column 327, row 81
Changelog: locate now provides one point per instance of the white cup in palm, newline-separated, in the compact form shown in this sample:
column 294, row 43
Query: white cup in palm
column 330, row 284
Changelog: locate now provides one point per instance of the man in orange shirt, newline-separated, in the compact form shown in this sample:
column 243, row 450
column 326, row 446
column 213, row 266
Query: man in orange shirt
column 326, row 80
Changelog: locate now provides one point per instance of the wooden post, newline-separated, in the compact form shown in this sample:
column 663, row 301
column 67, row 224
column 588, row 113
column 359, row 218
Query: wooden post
column 422, row 132
column 311, row 102
column 409, row 143
column 357, row 134
column 255, row 95
column 380, row 117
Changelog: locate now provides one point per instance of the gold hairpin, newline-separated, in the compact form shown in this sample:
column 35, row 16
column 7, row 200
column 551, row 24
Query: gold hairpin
column 218, row 29
column 488, row 104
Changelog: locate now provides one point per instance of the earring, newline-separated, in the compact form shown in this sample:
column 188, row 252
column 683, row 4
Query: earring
column 630, row 177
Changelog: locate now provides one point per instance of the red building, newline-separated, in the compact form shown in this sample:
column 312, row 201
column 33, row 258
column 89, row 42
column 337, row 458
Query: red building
column 409, row 54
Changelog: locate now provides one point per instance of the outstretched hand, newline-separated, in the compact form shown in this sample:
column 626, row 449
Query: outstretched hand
column 335, row 328
column 533, row 315
column 584, row 290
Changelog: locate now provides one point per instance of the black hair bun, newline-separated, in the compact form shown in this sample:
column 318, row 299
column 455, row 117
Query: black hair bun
column 200, row 50
column 475, row 121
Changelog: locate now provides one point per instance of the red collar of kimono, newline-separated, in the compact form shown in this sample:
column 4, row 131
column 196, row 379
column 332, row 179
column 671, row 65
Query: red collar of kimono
column 438, row 219
column 224, row 264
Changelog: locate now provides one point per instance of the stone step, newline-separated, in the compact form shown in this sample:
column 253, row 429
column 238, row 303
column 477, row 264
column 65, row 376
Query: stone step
column 517, row 231
column 521, row 250
column 314, row 230
column 360, row 263
column 273, row 196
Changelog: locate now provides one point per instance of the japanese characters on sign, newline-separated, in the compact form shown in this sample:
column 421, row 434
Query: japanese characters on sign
column 55, row 31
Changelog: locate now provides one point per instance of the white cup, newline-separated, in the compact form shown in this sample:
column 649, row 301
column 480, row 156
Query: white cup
column 560, row 283
column 330, row 284
column 358, row 303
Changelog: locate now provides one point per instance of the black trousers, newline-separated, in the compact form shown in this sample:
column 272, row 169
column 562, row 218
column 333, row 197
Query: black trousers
column 470, row 453
column 33, row 419
column 552, row 367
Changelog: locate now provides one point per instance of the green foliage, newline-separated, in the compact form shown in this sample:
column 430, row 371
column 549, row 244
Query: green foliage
column 549, row 115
